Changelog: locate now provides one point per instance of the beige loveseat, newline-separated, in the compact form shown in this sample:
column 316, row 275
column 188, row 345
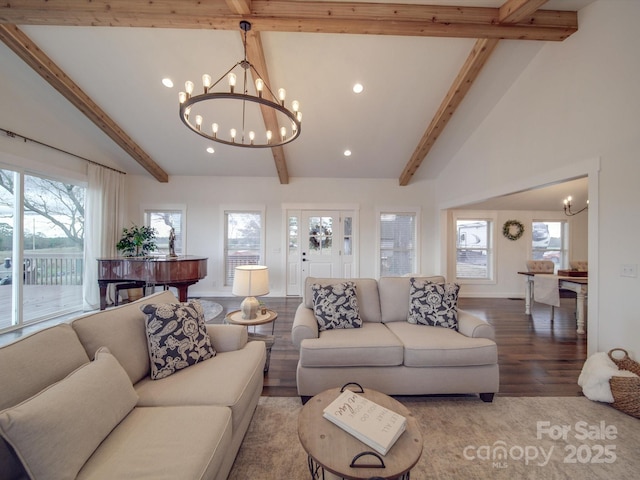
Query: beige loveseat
column 107, row 418
column 388, row 353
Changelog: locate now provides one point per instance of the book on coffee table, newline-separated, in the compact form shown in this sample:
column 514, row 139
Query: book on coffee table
column 374, row 425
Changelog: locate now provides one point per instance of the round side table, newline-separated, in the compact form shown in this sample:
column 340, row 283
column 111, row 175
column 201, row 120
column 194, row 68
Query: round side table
column 235, row 318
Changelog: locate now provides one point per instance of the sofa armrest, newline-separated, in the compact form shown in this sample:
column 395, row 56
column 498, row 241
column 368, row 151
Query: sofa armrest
column 305, row 325
column 474, row 327
column 227, row 338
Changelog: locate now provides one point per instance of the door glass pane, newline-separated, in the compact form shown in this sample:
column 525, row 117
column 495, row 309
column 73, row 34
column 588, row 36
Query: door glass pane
column 7, row 204
column 293, row 236
column 320, row 235
column 52, row 268
column 347, row 235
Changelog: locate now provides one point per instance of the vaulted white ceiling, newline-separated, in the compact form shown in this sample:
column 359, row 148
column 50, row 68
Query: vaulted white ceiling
column 405, row 77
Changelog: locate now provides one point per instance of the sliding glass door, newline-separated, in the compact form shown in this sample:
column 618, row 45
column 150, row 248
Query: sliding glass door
column 42, row 244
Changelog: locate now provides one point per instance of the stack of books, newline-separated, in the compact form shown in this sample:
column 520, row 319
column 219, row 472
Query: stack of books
column 374, row 425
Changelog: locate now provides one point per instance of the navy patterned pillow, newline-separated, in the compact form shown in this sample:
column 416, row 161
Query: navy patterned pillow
column 434, row 304
column 336, row 306
column 177, row 337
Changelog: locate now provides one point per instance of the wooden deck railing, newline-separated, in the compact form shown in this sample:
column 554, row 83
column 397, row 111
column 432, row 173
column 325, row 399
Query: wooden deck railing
column 50, row 269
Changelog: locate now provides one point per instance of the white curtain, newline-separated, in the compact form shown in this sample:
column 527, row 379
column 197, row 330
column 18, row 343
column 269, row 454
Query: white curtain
column 104, row 220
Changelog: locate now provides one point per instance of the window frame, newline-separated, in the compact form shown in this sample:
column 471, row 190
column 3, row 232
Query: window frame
column 227, row 277
column 490, row 249
column 412, row 211
column 147, row 210
column 564, row 243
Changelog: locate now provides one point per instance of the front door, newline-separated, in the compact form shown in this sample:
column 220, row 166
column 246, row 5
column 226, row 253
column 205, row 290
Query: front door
column 321, row 245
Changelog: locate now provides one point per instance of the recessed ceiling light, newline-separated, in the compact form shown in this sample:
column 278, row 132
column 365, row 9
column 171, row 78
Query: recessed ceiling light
column 167, row 82
column 210, row 150
column 358, row 88
column 347, row 153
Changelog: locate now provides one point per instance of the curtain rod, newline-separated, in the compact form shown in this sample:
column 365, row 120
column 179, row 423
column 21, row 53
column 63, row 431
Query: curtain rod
column 27, row 139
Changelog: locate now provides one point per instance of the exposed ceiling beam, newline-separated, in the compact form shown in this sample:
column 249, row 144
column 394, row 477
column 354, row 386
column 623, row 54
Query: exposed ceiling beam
column 31, row 54
column 512, row 11
column 296, row 16
column 255, row 55
column 475, row 61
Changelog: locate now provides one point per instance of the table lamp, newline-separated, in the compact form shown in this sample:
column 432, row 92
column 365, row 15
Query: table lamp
column 250, row 281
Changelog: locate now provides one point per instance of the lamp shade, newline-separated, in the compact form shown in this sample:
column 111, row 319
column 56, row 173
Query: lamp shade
column 251, row 281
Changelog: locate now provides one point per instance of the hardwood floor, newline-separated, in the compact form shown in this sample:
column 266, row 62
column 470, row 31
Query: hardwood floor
column 537, row 357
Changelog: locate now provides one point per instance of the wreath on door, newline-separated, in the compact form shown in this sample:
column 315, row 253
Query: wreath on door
column 512, row 229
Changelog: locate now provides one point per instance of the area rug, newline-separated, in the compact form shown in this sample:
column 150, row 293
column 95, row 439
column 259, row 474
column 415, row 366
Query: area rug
column 464, row 438
column 211, row 309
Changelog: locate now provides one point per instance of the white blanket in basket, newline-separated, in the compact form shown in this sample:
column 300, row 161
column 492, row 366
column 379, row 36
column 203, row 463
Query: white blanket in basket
column 595, row 376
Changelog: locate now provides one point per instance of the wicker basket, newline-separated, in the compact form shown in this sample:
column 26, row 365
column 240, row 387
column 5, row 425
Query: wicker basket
column 626, row 390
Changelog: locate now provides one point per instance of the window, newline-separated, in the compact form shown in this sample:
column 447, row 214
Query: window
column 549, row 242
column 42, row 245
column 243, row 241
column 163, row 220
column 398, row 240
column 473, row 249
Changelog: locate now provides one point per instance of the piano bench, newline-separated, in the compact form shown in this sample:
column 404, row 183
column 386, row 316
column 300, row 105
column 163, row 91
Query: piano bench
column 127, row 286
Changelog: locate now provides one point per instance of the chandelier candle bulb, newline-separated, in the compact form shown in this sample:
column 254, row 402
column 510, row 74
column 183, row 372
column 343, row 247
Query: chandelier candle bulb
column 282, row 94
column 295, row 105
column 214, row 129
column 206, row 82
column 233, row 135
column 232, row 82
column 182, row 96
column 252, row 136
column 283, row 133
column 198, row 122
column 259, row 86
column 269, row 135
column 188, row 86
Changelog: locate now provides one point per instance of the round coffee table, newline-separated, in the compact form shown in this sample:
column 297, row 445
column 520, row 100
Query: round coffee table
column 332, row 449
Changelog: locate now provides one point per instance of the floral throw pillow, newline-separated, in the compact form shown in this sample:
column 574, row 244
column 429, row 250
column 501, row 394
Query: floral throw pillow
column 176, row 336
column 336, row 306
column 434, row 304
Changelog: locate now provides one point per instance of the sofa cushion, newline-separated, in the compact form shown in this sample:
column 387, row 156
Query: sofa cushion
column 434, row 304
column 371, row 345
column 426, row 346
column 56, row 431
column 229, row 379
column 366, row 292
column 177, row 336
column 164, row 443
column 394, row 297
column 336, row 306
column 122, row 330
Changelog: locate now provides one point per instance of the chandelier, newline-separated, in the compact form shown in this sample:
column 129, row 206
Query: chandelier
column 240, row 123
column 567, row 207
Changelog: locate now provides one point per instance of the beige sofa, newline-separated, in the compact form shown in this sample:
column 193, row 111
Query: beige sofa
column 388, row 353
column 188, row 425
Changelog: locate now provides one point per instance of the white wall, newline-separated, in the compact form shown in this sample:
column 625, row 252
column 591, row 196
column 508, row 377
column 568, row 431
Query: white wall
column 205, row 198
column 574, row 109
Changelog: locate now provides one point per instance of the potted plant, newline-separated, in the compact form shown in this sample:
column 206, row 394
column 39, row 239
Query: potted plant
column 137, row 241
